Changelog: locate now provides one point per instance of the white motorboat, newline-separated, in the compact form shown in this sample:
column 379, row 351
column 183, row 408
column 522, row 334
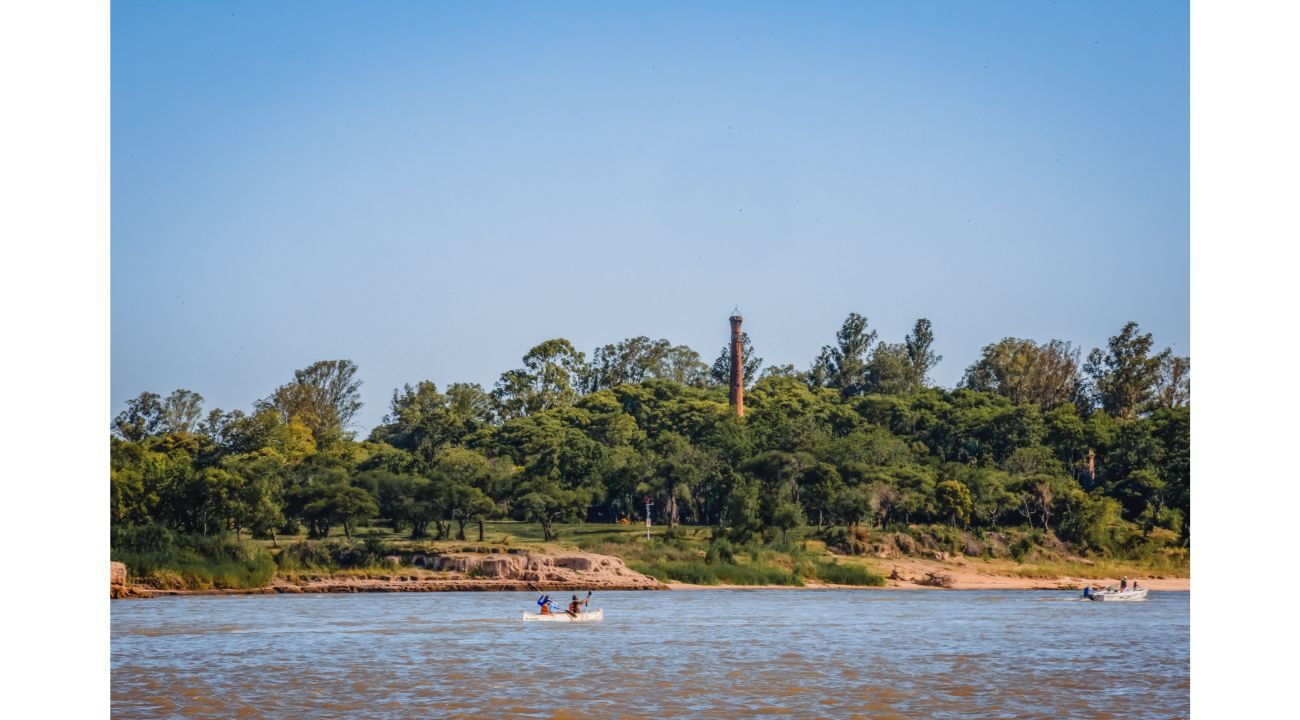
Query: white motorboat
column 1114, row 594
column 592, row 616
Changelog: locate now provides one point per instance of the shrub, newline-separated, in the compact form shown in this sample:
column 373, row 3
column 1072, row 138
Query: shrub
column 1022, row 547
column 306, row 555
column 198, row 562
column 845, row 574
column 720, row 550
column 935, row 578
column 847, row 540
column 335, row 554
column 1159, row 537
column 945, row 538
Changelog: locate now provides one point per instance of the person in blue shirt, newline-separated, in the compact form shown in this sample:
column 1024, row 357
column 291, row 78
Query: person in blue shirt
column 544, row 604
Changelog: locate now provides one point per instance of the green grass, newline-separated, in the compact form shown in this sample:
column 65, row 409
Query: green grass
column 1158, row 565
column 199, row 563
column 837, row 573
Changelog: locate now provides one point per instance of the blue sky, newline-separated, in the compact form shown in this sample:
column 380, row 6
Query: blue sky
column 430, row 189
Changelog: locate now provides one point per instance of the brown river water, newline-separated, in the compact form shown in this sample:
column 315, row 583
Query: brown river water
column 708, row 653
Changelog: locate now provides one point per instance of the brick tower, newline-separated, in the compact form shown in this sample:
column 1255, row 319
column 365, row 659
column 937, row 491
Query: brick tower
column 737, row 393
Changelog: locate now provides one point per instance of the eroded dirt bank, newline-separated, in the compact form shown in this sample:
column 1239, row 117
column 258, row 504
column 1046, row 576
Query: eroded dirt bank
column 447, row 572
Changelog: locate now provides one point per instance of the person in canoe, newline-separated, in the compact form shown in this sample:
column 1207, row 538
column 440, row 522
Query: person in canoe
column 576, row 605
column 544, row 604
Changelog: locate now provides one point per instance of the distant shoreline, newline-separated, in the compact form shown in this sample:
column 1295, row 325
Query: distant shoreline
column 369, row 585
column 475, row 569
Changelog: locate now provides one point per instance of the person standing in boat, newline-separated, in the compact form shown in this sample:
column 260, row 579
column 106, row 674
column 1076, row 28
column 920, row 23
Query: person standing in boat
column 1123, row 585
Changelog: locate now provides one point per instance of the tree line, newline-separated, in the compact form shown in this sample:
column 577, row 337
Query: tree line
column 1093, row 451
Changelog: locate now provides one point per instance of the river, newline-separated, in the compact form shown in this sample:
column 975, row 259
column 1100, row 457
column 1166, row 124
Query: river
column 708, row 653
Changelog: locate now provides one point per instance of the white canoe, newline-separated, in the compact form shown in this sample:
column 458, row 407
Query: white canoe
column 593, row 616
column 1117, row 596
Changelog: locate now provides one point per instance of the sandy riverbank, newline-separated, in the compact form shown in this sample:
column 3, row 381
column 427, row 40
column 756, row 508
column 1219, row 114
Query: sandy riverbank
column 603, row 573
column 910, row 572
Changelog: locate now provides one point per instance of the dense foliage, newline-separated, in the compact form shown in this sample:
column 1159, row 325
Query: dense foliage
column 860, row 440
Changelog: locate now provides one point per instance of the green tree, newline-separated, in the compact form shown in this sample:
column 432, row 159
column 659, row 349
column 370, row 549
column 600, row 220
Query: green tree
column 480, row 484
column 419, row 421
column 890, row 371
column 920, row 351
column 351, row 505
column 1173, row 389
column 550, row 378
column 679, row 470
column 148, row 414
column 781, row 371
column 856, row 505
column 955, row 502
column 142, row 418
column 787, row 516
column 1023, row 371
column 325, row 396
column 821, row 490
column 843, row 366
column 466, row 504
column 638, row 359
column 470, row 406
column 741, row 520
column 423, row 502
column 1125, row 376
column 1036, row 495
column 259, row 498
column 337, row 504
column 181, row 411
column 547, row 502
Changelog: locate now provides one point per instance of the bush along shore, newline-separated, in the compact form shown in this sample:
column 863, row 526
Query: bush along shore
column 614, row 557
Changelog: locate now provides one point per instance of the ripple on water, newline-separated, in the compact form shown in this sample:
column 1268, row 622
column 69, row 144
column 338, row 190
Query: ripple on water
column 680, row 654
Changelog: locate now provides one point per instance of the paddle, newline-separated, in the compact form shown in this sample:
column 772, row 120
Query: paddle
column 537, row 590
column 587, row 599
